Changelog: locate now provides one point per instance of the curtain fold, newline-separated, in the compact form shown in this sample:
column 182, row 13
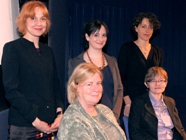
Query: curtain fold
column 118, row 16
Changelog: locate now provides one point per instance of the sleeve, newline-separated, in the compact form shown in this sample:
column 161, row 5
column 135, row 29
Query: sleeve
column 161, row 57
column 72, row 129
column 11, row 81
column 74, row 62
column 119, row 91
column 135, row 131
column 177, row 122
column 57, row 89
column 70, row 67
column 122, row 64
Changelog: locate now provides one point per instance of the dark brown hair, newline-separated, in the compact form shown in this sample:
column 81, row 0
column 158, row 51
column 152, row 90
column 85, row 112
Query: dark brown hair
column 138, row 19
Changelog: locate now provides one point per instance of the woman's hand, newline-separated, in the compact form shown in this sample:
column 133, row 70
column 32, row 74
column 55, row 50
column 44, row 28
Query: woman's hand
column 41, row 126
column 126, row 111
column 127, row 105
column 55, row 125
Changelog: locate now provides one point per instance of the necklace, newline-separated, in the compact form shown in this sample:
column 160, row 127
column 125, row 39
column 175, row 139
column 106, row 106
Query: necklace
column 103, row 59
column 144, row 50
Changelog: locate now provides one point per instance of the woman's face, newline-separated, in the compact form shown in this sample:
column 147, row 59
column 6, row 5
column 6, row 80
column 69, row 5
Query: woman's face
column 144, row 30
column 90, row 91
column 36, row 26
column 157, row 85
column 98, row 39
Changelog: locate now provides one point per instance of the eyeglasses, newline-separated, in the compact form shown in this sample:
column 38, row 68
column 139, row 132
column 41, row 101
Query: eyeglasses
column 157, row 81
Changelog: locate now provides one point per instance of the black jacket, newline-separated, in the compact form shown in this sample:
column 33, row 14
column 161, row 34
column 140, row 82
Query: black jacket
column 143, row 123
column 30, row 82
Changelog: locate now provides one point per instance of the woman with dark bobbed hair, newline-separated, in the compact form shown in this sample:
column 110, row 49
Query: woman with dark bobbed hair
column 95, row 33
column 137, row 56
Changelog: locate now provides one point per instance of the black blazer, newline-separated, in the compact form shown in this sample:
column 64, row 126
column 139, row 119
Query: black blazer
column 143, row 123
column 118, row 87
column 30, row 82
column 3, row 102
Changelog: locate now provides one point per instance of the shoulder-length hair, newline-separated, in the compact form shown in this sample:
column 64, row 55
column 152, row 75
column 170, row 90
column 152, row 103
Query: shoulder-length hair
column 81, row 73
column 91, row 27
column 27, row 11
column 138, row 20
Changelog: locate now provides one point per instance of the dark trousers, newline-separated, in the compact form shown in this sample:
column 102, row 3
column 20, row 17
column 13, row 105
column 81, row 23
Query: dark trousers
column 27, row 133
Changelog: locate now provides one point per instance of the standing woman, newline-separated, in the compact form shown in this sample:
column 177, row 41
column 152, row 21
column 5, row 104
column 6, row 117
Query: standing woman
column 30, row 78
column 136, row 57
column 95, row 33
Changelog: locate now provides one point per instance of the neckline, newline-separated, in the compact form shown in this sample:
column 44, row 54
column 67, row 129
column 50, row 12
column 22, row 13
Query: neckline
column 103, row 60
column 146, row 56
column 30, row 42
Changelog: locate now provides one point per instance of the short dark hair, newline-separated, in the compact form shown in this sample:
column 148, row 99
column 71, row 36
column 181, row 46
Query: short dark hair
column 138, row 19
column 91, row 27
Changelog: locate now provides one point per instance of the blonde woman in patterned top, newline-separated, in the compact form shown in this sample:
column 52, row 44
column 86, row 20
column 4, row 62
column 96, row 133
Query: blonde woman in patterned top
column 84, row 119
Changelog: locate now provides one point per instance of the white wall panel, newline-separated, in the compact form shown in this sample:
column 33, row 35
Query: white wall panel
column 9, row 10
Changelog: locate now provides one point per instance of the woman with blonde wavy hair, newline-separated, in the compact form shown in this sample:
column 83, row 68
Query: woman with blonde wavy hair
column 85, row 119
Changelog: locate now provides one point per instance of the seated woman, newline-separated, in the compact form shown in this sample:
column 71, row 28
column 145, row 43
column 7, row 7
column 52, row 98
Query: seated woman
column 84, row 119
column 153, row 115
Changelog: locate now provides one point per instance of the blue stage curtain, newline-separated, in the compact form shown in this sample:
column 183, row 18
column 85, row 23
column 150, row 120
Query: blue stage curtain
column 69, row 17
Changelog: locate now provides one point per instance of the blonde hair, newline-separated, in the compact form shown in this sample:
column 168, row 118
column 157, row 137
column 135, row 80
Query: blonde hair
column 81, row 73
column 154, row 71
column 27, row 11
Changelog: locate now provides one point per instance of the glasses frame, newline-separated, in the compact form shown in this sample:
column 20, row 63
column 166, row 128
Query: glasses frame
column 161, row 81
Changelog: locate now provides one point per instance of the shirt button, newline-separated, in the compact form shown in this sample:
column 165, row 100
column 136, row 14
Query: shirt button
column 47, row 106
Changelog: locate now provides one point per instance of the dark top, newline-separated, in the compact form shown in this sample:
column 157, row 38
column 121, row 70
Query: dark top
column 143, row 123
column 133, row 67
column 30, row 82
column 108, row 88
column 3, row 102
column 118, row 87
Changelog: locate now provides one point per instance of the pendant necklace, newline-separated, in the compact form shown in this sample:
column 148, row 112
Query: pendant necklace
column 144, row 51
column 103, row 59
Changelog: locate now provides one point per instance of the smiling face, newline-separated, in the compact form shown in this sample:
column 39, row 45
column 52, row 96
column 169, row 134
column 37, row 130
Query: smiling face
column 90, row 91
column 157, row 85
column 144, row 30
column 36, row 26
column 98, row 39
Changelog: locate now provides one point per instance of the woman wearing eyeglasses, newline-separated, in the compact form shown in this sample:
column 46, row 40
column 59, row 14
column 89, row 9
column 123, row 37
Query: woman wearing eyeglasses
column 154, row 115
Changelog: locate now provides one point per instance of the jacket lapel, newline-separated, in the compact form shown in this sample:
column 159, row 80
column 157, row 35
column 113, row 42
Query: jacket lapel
column 148, row 105
column 170, row 107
